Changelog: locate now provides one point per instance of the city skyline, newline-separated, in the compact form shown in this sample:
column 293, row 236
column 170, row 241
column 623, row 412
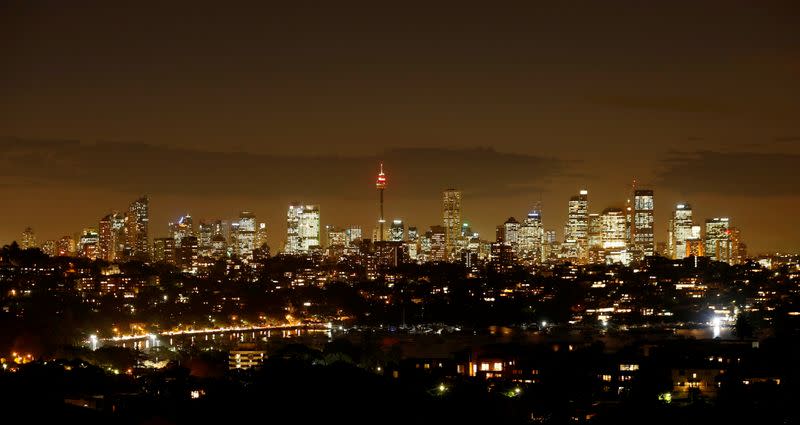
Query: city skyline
column 615, row 234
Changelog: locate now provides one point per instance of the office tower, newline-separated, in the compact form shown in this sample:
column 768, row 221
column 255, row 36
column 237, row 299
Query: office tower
column 413, row 233
column 105, row 243
column 335, row 237
column 695, row 247
column 137, row 245
column 186, row 255
column 219, row 246
column 261, row 235
column 303, row 228
column 28, row 239
column 65, row 246
column 508, row 233
column 182, row 228
column 380, row 184
column 680, row 229
column 397, row 231
column 246, row 235
column 49, row 247
column 205, row 233
column 451, row 218
column 550, row 236
column 164, row 250
column 738, row 248
column 531, row 234
column 718, row 241
column 577, row 227
column 438, row 243
column 88, row 243
column 352, row 234
column 613, row 225
column 595, row 232
column 119, row 235
column 642, row 233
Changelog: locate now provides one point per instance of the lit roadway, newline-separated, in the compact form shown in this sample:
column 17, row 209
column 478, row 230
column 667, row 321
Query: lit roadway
column 125, row 338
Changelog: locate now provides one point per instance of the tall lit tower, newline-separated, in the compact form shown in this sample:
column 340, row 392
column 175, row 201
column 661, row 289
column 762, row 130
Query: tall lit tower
column 451, row 218
column 380, row 184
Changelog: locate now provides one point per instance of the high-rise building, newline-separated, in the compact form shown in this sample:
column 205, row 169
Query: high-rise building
column 49, row 247
column 205, row 233
column 508, row 233
column 28, row 239
column 119, row 235
column 738, row 248
column 718, row 240
column 303, row 228
column 451, row 219
column 88, row 243
column 413, row 233
column 595, row 232
column 438, row 243
column 695, row 247
column 397, row 231
column 577, row 227
column 246, row 235
column 181, row 228
column 164, row 250
column 531, row 234
column 335, row 237
column 65, row 246
column 642, row 233
column 352, row 234
column 186, row 255
column 680, row 229
column 613, row 234
column 137, row 244
column 380, row 184
column 105, row 243
column 261, row 235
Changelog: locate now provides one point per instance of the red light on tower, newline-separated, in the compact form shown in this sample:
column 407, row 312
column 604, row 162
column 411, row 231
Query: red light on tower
column 381, row 182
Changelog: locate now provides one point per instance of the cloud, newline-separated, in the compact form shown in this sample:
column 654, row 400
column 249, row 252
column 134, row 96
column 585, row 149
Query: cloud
column 662, row 103
column 787, row 139
column 731, row 173
column 152, row 169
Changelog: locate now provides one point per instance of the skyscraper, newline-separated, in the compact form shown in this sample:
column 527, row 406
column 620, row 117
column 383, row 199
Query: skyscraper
column 28, row 239
column 531, row 234
column 380, row 184
column 680, row 229
column 577, row 227
column 88, row 242
column 718, row 239
column 105, row 243
column 509, row 233
column 642, row 233
column 164, row 250
column 182, row 228
column 246, row 235
column 613, row 228
column 205, row 233
column 303, row 228
column 595, row 232
column 738, row 247
column 397, row 231
column 451, row 218
column 137, row 244
column 437, row 237
column 352, row 234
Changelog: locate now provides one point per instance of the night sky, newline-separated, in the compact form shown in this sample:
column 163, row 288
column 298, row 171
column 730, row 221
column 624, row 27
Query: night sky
column 215, row 107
